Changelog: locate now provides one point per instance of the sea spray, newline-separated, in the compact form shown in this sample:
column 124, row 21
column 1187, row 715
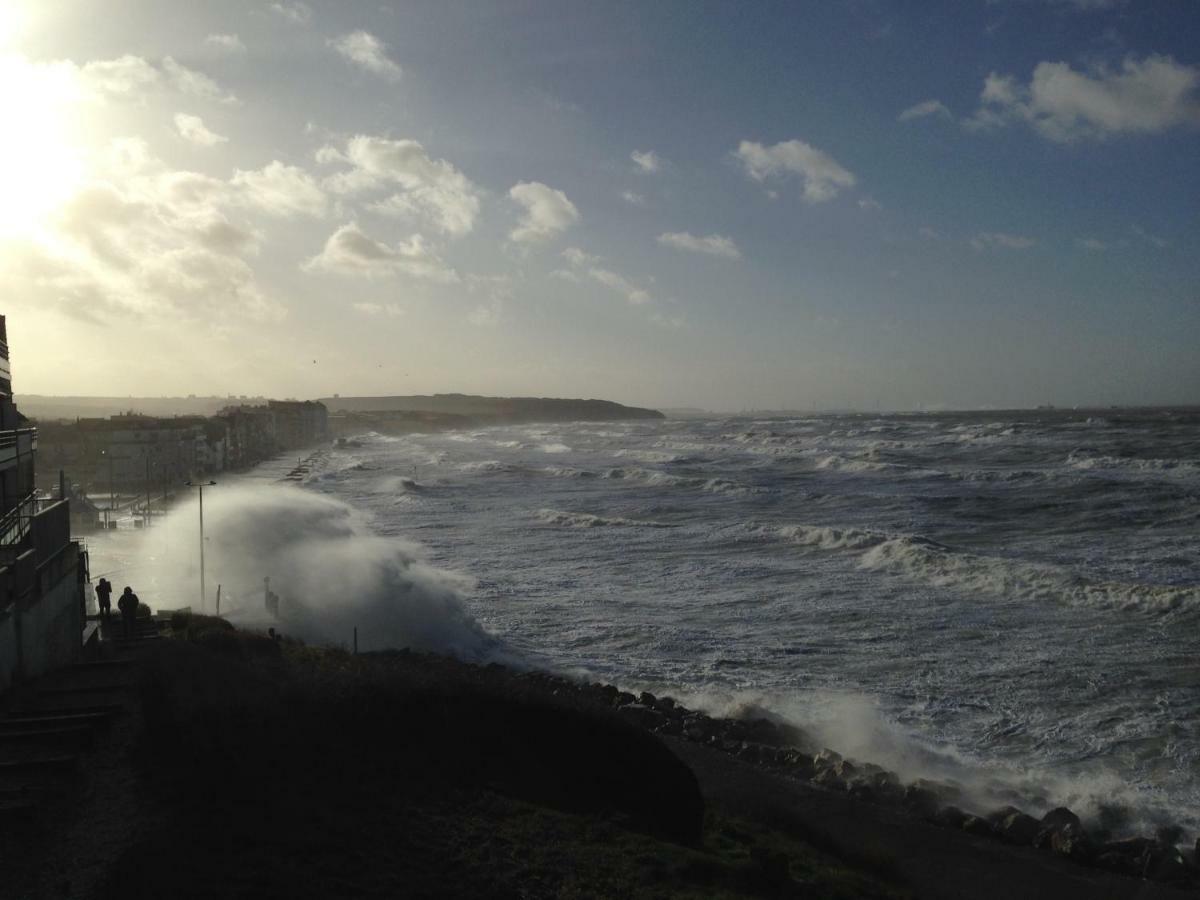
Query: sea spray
column 330, row 571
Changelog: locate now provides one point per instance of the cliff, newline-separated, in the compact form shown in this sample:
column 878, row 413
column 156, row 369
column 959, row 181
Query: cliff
column 494, row 410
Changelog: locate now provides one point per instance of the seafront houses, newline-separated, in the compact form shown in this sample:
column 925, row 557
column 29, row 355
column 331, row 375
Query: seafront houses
column 42, row 571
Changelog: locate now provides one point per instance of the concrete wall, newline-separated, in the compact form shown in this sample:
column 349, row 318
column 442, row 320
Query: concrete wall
column 8, row 648
column 41, row 629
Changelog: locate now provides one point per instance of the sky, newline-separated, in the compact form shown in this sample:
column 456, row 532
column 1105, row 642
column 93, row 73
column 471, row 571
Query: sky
column 838, row 204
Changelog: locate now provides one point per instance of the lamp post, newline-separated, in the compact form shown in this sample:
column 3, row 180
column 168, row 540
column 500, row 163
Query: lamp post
column 111, row 493
column 201, row 485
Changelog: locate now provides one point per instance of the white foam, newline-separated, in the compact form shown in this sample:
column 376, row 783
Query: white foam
column 587, row 520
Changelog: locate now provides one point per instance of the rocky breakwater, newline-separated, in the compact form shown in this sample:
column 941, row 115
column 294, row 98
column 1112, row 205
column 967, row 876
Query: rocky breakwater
column 765, row 741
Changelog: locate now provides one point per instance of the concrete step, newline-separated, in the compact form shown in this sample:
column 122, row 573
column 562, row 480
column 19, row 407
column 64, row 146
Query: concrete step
column 76, row 735
column 64, row 706
column 100, row 665
column 73, row 690
column 26, row 720
column 64, row 762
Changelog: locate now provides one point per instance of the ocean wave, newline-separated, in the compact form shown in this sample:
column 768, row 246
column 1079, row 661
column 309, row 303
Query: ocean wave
column 665, row 479
column 587, row 520
column 943, row 566
column 487, row 465
column 567, row 472
column 554, row 447
column 651, row 456
column 1173, row 466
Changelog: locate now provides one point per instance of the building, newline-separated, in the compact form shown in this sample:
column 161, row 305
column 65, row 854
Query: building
column 299, row 423
column 249, row 435
column 42, row 571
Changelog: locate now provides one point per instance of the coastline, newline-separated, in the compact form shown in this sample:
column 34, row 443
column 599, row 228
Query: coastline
column 249, row 756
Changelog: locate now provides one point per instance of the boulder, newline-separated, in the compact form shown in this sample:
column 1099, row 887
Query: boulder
column 1072, row 841
column 1119, row 863
column 647, row 699
column 1060, row 817
column 950, row 817
column 920, row 801
column 643, row 716
column 826, row 758
column 1134, row 848
column 999, row 815
column 1168, row 865
column 827, row 778
column 978, row 826
column 1019, row 828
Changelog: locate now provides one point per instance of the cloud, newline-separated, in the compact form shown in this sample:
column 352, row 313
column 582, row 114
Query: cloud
column 296, row 13
column 577, row 257
column 192, row 128
column 189, row 81
column 647, row 162
column 428, row 189
column 993, row 239
column 632, row 198
column 280, row 190
column 368, row 52
column 140, row 242
column 548, row 212
column 929, row 234
column 350, row 251
column 487, row 314
column 1090, row 243
column 713, row 245
column 925, row 109
column 1063, row 105
column 225, row 43
column 1149, row 238
column 821, row 175
column 869, row 203
column 126, row 74
column 388, row 310
column 592, row 267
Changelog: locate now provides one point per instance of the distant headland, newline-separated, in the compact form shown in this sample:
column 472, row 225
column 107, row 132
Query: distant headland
column 427, row 412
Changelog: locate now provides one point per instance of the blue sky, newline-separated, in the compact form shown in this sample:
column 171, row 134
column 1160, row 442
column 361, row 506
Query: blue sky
column 677, row 204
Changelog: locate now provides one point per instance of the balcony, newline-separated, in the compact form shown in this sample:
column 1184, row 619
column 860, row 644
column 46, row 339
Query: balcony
column 15, row 443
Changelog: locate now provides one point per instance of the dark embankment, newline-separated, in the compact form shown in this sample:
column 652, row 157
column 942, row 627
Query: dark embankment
column 275, row 770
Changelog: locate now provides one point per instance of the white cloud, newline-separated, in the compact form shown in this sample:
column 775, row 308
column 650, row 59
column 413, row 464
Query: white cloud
column 192, row 128
column 548, row 212
column 924, row 109
column 929, row 234
column 1154, row 239
column 350, row 251
column 1146, row 97
column 429, row 189
column 713, row 245
column 1090, row 243
column 821, row 174
column 388, row 310
column 487, row 314
column 869, row 203
column 126, row 74
column 297, row 13
column 577, row 257
column 647, row 161
column 367, row 51
column 633, row 198
column 280, row 190
column 991, row 239
column 225, row 43
column 189, row 81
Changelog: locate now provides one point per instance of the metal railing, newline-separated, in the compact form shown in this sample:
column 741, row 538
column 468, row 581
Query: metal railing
column 16, row 523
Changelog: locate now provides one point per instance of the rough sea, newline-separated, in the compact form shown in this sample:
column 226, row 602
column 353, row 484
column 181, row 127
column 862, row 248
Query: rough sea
column 1007, row 600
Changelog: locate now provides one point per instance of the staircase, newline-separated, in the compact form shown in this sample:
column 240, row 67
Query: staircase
column 48, row 726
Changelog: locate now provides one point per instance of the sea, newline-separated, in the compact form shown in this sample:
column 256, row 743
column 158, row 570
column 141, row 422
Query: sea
column 1005, row 600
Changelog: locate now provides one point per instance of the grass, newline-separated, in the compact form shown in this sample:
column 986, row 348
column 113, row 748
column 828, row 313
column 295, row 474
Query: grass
column 278, row 770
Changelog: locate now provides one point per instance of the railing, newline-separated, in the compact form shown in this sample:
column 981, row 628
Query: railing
column 15, row 524
column 16, row 442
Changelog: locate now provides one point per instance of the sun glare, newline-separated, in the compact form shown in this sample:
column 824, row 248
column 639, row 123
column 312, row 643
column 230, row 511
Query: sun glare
column 40, row 166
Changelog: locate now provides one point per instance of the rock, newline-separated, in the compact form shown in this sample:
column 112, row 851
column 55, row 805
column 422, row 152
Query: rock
column 761, row 731
column 1118, row 862
column 647, row 699
column 828, row 778
column 1133, row 848
column 1059, row 817
column 1071, row 841
column 826, row 758
column 920, row 801
column 999, row 815
column 978, row 826
column 643, row 716
column 624, row 698
column 845, row 769
column 1168, row 835
column 609, row 693
column 863, row 790
column 665, row 704
column 950, row 817
column 1168, row 865
column 1018, row 828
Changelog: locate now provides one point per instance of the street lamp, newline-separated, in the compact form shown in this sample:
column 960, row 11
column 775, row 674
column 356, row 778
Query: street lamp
column 201, row 485
column 111, row 494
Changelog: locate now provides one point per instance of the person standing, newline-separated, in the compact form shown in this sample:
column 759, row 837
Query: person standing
column 103, row 597
column 128, row 604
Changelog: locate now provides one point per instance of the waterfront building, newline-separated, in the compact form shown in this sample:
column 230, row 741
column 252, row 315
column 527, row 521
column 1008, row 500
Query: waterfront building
column 42, row 571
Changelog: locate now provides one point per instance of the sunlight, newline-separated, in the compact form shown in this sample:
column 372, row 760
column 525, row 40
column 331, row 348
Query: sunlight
column 40, row 167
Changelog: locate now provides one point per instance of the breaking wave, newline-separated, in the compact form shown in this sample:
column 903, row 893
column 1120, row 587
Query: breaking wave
column 587, row 520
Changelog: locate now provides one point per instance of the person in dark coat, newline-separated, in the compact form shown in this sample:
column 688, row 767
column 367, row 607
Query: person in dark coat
column 103, row 596
column 128, row 604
